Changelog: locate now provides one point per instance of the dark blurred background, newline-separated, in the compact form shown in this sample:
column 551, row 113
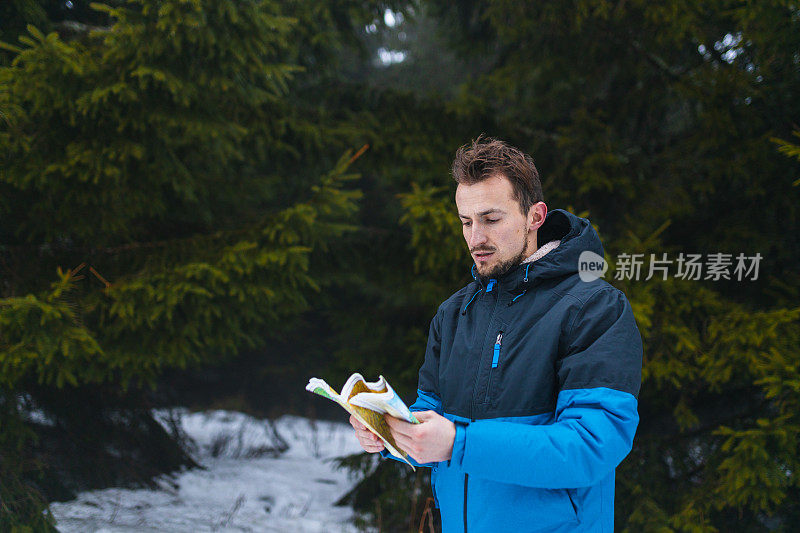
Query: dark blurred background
column 205, row 203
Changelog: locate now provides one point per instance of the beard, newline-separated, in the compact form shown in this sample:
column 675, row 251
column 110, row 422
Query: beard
column 503, row 267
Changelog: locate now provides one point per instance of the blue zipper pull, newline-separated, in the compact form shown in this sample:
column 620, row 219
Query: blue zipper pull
column 497, row 344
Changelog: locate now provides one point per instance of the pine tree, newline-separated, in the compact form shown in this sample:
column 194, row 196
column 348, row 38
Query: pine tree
column 140, row 229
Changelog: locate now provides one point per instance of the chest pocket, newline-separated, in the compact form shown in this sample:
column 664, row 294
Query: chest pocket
column 495, row 363
column 521, row 373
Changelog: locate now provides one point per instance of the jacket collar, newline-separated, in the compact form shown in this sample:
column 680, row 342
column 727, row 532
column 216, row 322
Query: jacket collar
column 575, row 234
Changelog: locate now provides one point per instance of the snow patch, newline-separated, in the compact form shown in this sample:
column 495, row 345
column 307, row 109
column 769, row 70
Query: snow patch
column 258, row 475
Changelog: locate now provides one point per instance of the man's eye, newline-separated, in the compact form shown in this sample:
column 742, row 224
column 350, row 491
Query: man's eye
column 466, row 224
column 492, row 220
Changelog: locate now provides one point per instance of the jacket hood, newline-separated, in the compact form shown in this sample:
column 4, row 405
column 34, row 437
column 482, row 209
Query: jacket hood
column 576, row 235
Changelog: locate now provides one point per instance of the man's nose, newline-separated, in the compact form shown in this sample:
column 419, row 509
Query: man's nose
column 477, row 236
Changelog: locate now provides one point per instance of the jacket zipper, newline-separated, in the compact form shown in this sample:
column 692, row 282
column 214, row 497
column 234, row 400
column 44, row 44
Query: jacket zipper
column 497, row 344
column 495, row 362
column 471, row 412
column 466, row 480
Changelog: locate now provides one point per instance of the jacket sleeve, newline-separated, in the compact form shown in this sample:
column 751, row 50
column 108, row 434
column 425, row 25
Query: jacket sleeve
column 428, row 389
column 596, row 414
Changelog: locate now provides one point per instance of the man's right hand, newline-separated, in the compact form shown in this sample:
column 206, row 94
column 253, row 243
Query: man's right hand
column 366, row 438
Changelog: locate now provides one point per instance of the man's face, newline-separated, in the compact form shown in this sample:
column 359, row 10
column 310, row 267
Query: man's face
column 498, row 235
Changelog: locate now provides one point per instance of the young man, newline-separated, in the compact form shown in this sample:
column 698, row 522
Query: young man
column 528, row 392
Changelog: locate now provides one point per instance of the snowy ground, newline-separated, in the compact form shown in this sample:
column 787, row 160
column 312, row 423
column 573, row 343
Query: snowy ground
column 259, row 476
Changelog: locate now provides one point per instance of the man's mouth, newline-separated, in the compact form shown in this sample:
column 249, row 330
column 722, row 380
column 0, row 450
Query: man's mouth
column 482, row 256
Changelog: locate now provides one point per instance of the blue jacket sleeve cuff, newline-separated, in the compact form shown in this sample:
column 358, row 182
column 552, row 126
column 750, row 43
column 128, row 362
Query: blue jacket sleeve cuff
column 459, row 444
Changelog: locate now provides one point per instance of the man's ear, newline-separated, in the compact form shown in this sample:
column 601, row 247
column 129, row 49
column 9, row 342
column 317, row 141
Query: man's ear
column 536, row 216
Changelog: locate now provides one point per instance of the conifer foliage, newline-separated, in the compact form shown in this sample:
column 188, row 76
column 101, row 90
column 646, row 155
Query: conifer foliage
column 140, row 225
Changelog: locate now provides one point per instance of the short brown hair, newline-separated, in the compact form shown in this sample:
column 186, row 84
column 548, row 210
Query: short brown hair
column 486, row 157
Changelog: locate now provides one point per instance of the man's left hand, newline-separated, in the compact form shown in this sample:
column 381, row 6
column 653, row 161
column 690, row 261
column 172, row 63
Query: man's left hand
column 427, row 442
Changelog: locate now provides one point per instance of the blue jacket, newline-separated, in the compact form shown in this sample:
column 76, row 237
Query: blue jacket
column 540, row 372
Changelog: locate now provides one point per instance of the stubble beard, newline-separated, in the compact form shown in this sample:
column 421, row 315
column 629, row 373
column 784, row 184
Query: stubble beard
column 504, row 267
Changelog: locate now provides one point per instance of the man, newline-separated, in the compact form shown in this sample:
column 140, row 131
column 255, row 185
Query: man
column 528, row 392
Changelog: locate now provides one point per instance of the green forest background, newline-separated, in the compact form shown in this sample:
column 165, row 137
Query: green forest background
column 205, row 202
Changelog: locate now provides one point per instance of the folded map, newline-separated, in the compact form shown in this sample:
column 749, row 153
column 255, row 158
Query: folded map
column 368, row 402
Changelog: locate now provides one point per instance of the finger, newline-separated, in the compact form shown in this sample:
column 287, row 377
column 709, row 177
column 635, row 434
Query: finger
column 366, row 436
column 369, row 443
column 407, row 444
column 375, row 448
column 424, row 416
column 370, row 439
column 356, row 424
column 364, row 431
column 399, row 426
column 404, row 443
